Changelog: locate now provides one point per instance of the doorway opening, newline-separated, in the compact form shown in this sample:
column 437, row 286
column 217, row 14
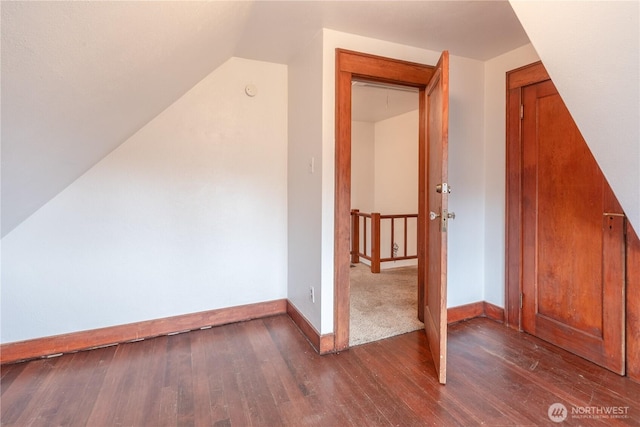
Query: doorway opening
column 433, row 189
column 357, row 66
column 384, row 204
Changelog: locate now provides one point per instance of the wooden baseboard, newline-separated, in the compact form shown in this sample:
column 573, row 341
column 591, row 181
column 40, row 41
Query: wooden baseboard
column 85, row 340
column 323, row 344
column 464, row 312
column 473, row 310
column 493, row 312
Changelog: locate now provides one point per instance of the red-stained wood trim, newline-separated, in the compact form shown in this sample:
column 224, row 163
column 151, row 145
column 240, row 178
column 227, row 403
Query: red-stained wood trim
column 327, row 343
column 323, row 344
column 355, row 236
column 515, row 81
column 375, row 243
column 399, row 258
column 473, row 310
column 393, row 238
column 374, row 231
column 342, row 203
column 493, row 312
column 633, row 304
column 421, row 227
column 465, row 312
column 527, row 75
column 513, row 215
column 84, row 340
column 384, row 70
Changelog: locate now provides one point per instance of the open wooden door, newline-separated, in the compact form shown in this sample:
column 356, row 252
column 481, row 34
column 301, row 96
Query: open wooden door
column 433, row 211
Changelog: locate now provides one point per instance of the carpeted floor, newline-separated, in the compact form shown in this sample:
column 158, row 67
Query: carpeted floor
column 382, row 305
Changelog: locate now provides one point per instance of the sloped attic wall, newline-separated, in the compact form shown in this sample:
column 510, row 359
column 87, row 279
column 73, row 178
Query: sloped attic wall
column 80, row 77
column 591, row 51
column 189, row 214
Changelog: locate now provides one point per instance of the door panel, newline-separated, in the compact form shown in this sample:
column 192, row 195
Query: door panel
column 573, row 236
column 437, row 124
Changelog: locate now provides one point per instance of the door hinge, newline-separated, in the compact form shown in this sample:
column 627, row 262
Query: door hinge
column 521, row 111
column 521, row 297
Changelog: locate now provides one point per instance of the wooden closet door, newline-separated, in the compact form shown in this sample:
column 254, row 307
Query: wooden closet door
column 573, row 259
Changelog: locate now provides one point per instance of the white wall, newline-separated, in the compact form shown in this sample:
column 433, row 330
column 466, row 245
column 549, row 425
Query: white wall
column 363, row 178
column 384, row 178
column 396, row 164
column 466, row 171
column 466, row 176
column 187, row 215
column 362, row 166
column 305, row 185
column 591, row 50
column 396, row 181
column 495, row 167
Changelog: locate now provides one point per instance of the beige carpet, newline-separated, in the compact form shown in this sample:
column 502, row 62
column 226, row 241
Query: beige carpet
column 382, row 305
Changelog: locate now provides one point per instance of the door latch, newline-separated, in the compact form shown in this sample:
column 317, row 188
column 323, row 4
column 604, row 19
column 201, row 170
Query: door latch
column 443, row 188
column 446, row 215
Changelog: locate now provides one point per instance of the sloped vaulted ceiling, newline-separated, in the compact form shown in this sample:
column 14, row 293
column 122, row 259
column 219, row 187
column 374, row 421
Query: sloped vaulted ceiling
column 79, row 78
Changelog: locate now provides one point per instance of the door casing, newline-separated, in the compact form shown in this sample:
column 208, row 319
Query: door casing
column 516, row 79
column 350, row 65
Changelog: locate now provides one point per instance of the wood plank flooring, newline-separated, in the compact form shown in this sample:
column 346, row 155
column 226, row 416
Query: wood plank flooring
column 264, row 373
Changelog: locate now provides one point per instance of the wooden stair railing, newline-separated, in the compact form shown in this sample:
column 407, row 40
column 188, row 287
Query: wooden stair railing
column 374, row 220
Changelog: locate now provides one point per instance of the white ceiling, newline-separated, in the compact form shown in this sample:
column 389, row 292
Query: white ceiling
column 79, row 78
column 276, row 30
column 373, row 104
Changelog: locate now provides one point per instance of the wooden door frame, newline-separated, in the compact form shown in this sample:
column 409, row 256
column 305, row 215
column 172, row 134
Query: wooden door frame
column 516, row 80
column 349, row 65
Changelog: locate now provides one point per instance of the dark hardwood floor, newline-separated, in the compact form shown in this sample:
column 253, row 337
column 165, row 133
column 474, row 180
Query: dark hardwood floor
column 263, row 372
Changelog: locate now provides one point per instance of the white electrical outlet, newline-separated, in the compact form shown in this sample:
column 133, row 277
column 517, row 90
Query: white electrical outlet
column 312, row 294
